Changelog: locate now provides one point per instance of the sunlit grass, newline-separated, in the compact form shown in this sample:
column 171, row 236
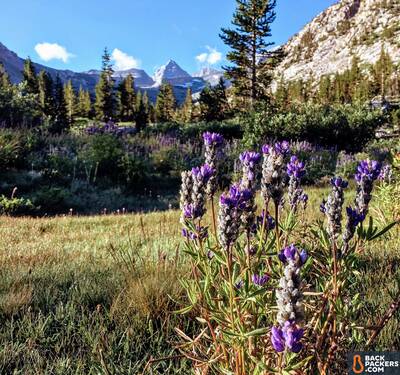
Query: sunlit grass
column 90, row 295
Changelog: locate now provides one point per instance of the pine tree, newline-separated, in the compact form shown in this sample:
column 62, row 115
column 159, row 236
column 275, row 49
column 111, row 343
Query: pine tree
column 187, row 108
column 70, row 102
column 84, row 103
column 30, row 77
column 251, row 58
column 61, row 118
column 46, row 95
column 381, row 73
column 142, row 111
column 127, row 99
column 324, row 94
column 4, row 77
column 281, row 94
column 105, row 100
column 165, row 104
column 214, row 103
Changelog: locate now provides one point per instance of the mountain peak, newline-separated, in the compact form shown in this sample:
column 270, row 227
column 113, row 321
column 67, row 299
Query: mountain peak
column 170, row 72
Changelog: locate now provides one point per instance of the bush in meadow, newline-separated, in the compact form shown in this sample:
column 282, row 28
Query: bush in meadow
column 271, row 299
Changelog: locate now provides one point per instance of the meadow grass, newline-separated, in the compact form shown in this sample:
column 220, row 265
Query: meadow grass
column 96, row 295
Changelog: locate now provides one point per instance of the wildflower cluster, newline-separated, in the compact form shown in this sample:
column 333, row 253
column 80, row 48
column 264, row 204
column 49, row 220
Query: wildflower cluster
column 110, row 128
column 242, row 277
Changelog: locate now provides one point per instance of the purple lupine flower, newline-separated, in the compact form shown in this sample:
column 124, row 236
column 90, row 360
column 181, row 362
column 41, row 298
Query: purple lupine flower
column 368, row 169
column 260, row 280
column 213, row 144
column 292, row 253
column 367, row 172
column 295, row 167
column 282, row 147
column 214, row 139
column 250, row 158
column 277, row 339
column 295, row 171
column 292, row 335
column 231, row 206
column 339, row 182
column 355, row 217
column 185, row 233
column 190, row 211
column 204, row 172
column 200, row 176
column 237, row 197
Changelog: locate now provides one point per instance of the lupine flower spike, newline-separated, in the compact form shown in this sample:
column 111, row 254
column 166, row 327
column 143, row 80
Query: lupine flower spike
column 249, row 162
column 231, row 206
column 289, row 297
column 333, row 207
column 213, row 143
column 201, row 176
column 185, row 193
column 295, row 171
column 273, row 171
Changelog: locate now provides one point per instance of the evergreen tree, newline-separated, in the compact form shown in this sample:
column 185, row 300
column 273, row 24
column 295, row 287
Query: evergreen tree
column 213, row 103
column 281, row 94
column 381, row 73
column 4, row 77
column 70, row 101
column 142, row 111
column 84, row 103
column 30, row 77
column 325, row 90
column 61, row 119
column 46, row 95
column 187, row 108
column 251, row 58
column 105, row 100
column 127, row 99
column 165, row 104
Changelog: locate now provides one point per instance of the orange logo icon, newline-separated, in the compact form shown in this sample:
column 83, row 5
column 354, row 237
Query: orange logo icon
column 358, row 366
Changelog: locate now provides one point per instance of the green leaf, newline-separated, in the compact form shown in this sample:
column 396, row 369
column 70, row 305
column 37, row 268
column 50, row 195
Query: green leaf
column 383, row 231
column 257, row 332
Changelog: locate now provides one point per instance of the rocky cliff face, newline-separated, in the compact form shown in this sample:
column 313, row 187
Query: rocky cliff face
column 349, row 28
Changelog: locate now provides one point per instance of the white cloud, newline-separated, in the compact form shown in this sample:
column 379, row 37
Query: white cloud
column 211, row 57
column 52, row 51
column 123, row 61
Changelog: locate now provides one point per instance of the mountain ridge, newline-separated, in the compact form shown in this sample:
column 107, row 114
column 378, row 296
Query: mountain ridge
column 349, row 28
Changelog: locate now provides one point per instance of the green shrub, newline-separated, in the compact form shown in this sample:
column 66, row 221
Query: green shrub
column 15, row 206
column 103, row 152
column 347, row 127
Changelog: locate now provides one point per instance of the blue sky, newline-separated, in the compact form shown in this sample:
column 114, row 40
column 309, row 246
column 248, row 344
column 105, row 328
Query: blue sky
column 71, row 34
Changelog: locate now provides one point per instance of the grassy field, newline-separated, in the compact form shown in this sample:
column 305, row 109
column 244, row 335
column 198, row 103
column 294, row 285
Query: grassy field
column 96, row 295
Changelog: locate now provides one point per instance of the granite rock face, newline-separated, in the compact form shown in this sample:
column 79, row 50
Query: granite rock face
column 349, row 28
